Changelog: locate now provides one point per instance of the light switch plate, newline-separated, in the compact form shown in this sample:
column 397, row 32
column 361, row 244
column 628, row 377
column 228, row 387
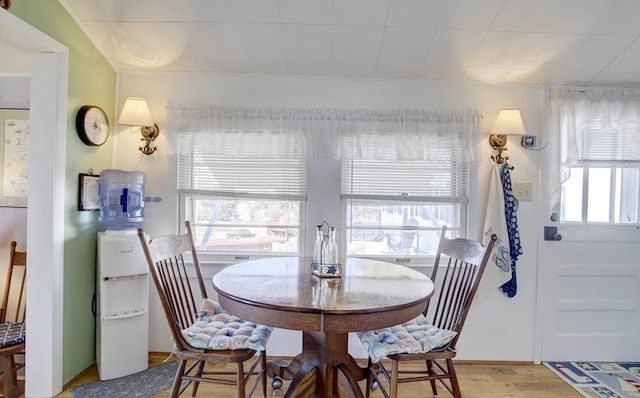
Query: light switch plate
column 523, row 190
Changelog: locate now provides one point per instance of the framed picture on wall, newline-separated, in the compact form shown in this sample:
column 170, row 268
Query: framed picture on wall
column 88, row 192
column 14, row 157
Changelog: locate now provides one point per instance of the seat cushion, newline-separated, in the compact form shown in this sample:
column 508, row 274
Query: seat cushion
column 214, row 329
column 413, row 337
column 11, row 333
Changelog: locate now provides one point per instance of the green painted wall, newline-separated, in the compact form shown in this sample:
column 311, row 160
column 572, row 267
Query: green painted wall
column 91, row 81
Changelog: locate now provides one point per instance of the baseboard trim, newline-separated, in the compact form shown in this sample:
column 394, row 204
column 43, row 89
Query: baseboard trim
column 79, row 375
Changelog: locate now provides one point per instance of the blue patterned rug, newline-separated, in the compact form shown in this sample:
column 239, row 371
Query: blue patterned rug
column 600, row 379
column 138, row 385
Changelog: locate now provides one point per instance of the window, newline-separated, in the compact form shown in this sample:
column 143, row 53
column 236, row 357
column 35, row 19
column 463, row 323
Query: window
column 243, row 189
column 251, row 226
column 400, row 185
column 242, row 178
column 600, row 155
column 606, row 195
column 385, row 227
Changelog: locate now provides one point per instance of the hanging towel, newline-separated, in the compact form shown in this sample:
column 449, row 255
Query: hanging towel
column 510, row 212
column 498, row 271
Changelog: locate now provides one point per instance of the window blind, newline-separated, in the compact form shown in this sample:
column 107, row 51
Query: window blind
column 607, row 145
column 257, row 163
column 375, row 164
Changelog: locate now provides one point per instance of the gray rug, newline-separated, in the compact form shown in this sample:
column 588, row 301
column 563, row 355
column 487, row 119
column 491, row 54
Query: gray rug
column 138, row 385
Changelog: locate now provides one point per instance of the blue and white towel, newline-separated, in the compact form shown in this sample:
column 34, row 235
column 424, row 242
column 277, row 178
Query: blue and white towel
column 498, row 271
column 510, row 211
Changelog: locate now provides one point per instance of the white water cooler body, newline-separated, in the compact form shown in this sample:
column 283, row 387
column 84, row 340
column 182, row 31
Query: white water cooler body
column 122, row 330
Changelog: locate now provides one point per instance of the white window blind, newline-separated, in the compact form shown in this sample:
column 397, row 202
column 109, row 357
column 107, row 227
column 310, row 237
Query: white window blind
column 254, row 163
column 427, row 160
column 609, row 145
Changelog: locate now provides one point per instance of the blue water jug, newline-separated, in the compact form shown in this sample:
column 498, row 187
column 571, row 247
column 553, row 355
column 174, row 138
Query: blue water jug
column 121, row 199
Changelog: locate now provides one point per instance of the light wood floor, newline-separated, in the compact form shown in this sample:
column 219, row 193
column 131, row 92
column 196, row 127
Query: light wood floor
column 477, row 380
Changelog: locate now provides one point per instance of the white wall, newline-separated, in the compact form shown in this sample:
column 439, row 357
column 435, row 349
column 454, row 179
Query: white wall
column 499, row 328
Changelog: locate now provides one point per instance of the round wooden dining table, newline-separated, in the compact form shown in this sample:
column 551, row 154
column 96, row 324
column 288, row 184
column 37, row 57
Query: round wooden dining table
column 283, row 293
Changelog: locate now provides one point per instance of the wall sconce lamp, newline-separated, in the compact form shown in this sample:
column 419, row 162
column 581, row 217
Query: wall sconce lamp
column 135, row 112
column 509, row 122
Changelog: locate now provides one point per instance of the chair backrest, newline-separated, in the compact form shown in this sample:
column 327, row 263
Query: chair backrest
column 14, row 297
column 166, row 260
column 457, row 270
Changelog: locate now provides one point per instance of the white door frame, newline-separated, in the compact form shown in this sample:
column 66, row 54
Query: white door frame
column 45, row 206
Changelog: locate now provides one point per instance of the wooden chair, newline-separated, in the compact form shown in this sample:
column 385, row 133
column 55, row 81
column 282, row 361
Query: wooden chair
column 166, row 259
column 12, row 317
column 458, row 267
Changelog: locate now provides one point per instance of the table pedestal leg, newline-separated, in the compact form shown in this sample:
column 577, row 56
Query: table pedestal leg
column 315, row 371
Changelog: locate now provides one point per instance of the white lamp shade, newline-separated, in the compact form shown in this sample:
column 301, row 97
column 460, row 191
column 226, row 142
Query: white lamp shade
column 509, row 122
column 135, row 112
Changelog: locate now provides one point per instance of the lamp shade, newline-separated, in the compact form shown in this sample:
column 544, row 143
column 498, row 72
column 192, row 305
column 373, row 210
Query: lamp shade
column 509, row 122
column 135, row 112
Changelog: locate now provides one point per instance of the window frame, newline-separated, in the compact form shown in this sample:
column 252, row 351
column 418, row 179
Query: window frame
column 406, row 259
column 614, row 203
column 455, row 184
column 276, row 170
column 226, row 257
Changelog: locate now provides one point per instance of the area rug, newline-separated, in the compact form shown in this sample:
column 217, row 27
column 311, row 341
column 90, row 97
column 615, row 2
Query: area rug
column 600, row 379
column 138, row 385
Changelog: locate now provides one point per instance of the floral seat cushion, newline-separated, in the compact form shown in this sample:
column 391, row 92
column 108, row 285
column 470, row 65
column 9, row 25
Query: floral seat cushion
column 11, row 333
column 413, row 337
column 215, row 329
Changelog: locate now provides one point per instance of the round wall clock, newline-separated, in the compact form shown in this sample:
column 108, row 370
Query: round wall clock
column 92, row 125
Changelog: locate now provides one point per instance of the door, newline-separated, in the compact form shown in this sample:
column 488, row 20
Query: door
column 589, row 294
column 589, row 280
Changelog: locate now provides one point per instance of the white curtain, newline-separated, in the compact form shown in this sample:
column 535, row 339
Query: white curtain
column 211, row 135
column 413, row 152
column 412, row 134
column 244, row 132
column 406, row 135
column 590, row 125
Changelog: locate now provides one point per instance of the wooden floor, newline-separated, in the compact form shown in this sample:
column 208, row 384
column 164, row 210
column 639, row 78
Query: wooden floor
column 477, row 380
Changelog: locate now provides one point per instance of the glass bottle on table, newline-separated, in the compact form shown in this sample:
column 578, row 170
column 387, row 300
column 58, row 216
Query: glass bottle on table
column 317, row 247
column 332, row 248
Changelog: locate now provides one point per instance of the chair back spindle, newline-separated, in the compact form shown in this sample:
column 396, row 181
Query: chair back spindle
column 457, row 270
column 14, row 296
column 172, row 280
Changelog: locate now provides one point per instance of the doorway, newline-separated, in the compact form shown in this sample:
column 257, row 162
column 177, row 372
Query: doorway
column 45, row 203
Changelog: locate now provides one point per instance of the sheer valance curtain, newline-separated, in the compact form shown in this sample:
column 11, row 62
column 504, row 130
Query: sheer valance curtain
column 413, row 153
column 590, row 127
column 213, row 135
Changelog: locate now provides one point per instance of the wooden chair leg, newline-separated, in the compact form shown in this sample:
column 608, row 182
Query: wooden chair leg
column 199, row 372
column 9, row 376
column 395, row 374
column 370, row 378
column 454, row 380
column 240, row 380
column 11, row 387
column 431, row 372
column 263, row 373
column 177, row 380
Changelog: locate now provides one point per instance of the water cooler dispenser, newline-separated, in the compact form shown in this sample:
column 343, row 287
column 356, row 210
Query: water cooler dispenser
column 122, row 288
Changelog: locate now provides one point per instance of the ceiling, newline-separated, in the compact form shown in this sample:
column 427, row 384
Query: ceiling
column 568, row 42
